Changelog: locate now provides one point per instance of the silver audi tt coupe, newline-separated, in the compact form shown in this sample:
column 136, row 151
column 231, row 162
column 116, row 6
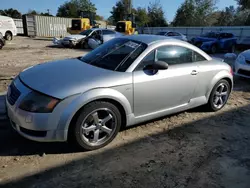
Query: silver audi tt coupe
column 125, row 81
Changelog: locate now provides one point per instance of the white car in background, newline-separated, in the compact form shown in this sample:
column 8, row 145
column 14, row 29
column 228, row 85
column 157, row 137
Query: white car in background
column 172, row 34
column 242, row 64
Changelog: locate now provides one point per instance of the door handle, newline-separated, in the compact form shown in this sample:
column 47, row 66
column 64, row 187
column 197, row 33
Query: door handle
column 194, row 72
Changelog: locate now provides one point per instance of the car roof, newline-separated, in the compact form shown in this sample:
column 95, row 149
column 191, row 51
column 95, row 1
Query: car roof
column 150, row 39
column 5, row 18
column 94, row 29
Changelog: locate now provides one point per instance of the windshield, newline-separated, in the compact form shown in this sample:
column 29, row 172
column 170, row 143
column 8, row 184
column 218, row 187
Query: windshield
column 115, row 54
column 161, row 33
column 86, row 32
column 211, row 35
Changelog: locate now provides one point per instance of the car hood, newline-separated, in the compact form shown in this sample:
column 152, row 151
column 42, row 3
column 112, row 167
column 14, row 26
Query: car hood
column 204, row 39
column 64, row 78
column 77, row 37
column 246, row 54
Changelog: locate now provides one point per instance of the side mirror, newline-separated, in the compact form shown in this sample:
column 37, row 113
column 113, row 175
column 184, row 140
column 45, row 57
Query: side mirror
column 158, row 65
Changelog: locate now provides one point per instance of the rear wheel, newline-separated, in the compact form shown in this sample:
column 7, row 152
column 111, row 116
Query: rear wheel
column 1, row 44
column 8, row 36
column 219, row 96
column 97, row 125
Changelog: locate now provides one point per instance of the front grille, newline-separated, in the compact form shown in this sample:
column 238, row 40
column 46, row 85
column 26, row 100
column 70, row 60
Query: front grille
column 244, row 72
column 13, row 94
column 33, row 133
column 248, row 61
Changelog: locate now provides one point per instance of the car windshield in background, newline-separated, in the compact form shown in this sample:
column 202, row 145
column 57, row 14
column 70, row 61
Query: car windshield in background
column 161, row 33
column 211, row 35
column 86, row 32
column 114, row 54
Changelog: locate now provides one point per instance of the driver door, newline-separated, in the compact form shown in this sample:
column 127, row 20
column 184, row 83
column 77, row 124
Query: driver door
column 164, row 89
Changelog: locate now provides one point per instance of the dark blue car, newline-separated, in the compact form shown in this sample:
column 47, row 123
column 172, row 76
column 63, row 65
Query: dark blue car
column 215, row 41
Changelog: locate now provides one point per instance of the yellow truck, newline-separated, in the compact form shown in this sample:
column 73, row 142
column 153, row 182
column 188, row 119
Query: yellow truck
column 125, row 27
column 78, row 25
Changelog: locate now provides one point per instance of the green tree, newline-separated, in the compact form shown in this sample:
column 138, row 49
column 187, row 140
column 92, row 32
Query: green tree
column 141, row 17
column 244, row 4
column 72, row 8
column 185, row 14
column 121, row 11
column 33, row 12
column 13, row 13
column 196, row 13
column 242, row 17
column 203, row 11
column 156, row 15
column 226, row 17
column 98, row 17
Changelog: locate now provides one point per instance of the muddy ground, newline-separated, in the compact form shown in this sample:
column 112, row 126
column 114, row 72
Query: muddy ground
column 189, row 149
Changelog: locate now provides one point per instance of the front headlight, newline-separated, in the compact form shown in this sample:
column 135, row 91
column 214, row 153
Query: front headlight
column 38, row 103
column 241, row 58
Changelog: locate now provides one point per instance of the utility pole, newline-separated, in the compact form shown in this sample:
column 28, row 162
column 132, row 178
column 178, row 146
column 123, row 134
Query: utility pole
column 48, row 10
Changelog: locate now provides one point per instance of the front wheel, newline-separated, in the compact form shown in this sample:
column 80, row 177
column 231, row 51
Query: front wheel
column 97, row 125
column 219, row 96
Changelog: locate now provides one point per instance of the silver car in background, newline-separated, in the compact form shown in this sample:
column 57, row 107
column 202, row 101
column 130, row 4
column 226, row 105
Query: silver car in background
column 81, row 39
column 126, row 81
column 173, row 34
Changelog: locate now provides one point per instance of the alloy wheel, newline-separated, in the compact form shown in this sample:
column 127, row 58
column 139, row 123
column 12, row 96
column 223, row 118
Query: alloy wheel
column 220, row 96
column 98, row 127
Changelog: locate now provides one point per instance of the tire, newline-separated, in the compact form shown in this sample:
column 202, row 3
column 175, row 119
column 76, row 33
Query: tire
column 86, row 119
column 211, row 105
column 71, row 45
column 1, row 44
column 8, row 36
column 213, row 49
column 85, row 45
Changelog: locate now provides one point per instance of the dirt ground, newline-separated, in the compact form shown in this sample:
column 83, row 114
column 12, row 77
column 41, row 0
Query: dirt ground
column 190, row 149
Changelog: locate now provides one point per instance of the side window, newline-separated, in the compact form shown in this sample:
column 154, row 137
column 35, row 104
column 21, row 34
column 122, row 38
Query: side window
column 176, row 34
column 107, row 32
column 148, row 60
column 198, row 57
column 170, row 34
column 174, row 55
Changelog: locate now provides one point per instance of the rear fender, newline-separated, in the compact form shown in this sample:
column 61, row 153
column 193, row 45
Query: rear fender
column 219, row 76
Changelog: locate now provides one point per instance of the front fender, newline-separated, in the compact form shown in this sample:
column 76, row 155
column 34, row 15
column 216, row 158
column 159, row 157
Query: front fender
column 219, row 76
column 87, row 97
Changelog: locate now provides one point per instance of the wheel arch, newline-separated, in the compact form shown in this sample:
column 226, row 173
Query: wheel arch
column 8, row 31
column 223, row 75
column 72, row 112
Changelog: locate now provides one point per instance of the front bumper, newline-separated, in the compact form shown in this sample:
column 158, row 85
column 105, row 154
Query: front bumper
column 34, row 126
column 242, row 69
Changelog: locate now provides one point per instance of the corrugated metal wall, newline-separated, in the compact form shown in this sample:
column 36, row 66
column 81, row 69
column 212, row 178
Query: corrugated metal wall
column 242, row 33
column 29, row 25
column 47, row 26
column 19, row 26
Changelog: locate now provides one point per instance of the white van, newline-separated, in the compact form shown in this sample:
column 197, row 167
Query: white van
column 7, row 27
